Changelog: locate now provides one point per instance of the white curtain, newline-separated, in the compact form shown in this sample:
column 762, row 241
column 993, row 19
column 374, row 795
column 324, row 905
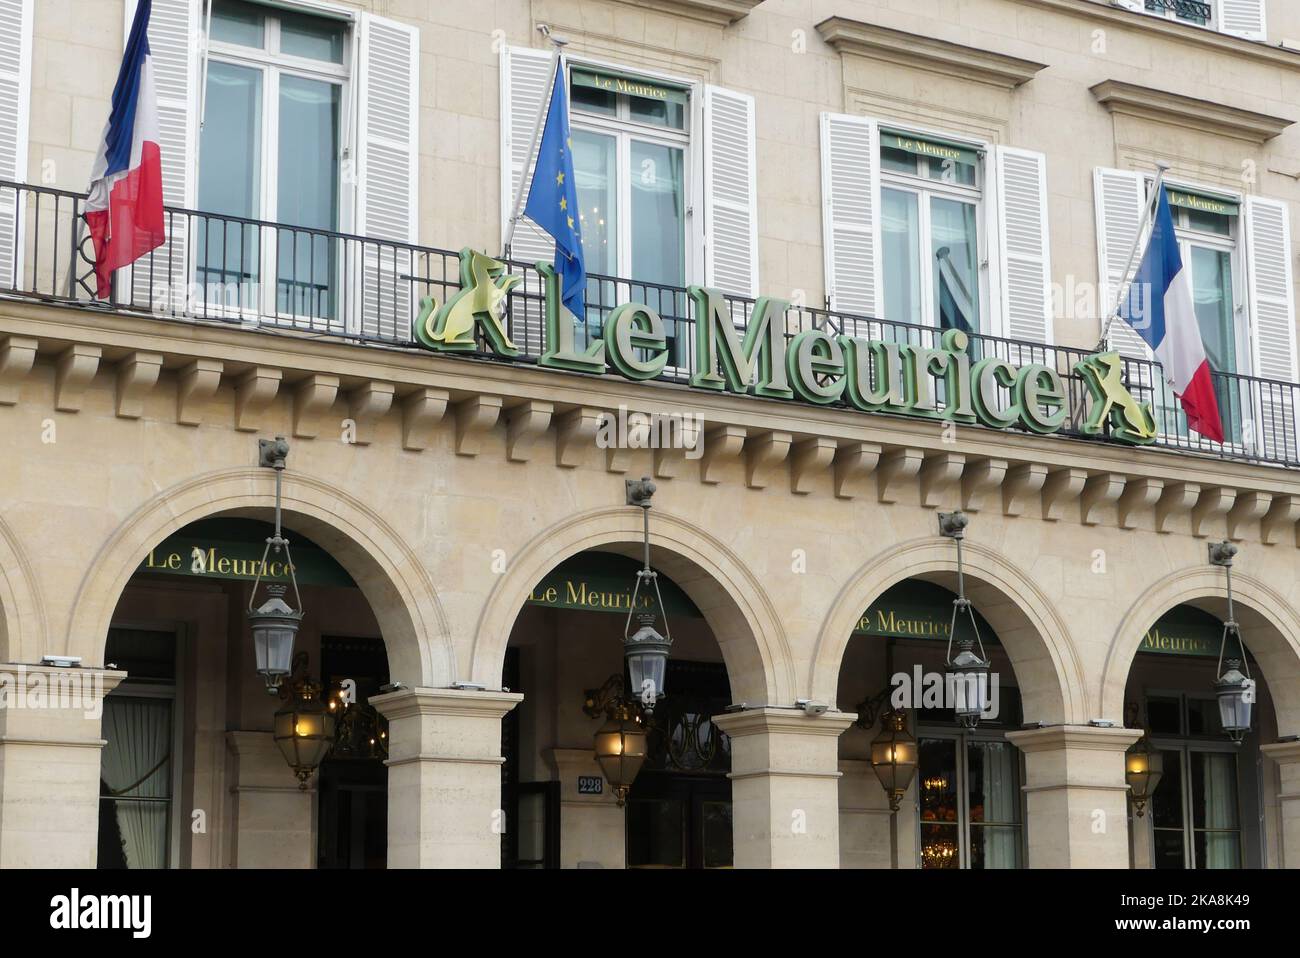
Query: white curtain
column 1218, row 772
column 1001, row 802
column 136, row 768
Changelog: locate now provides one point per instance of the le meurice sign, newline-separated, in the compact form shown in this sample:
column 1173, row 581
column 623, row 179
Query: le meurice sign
column 816, row 366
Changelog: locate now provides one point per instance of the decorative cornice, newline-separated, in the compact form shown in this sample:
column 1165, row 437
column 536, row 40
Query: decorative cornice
column 1208, row 40
column 724, row 12
column 927, row 53
column 1053, row 737
column 1186, row 111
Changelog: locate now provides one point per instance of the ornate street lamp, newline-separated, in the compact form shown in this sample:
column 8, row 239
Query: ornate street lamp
column 893, row 756
column 967, row 672
column 275, row 623
column 1144, row 766
column 646, row 651
column 304, row 727
column 621, row 741
column 1235, row 689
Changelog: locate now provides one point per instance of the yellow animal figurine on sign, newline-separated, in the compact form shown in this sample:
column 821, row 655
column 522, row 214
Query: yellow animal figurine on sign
column 484, row 286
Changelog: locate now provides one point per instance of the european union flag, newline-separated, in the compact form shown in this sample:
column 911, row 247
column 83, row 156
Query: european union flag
column 553, row 198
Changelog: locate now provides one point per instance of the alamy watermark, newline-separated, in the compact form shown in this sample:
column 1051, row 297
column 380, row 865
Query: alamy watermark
column 920, row 689
column 66, row 689
column 654, row 430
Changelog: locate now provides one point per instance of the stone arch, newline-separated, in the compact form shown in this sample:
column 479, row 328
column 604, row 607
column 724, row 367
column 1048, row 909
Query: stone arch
column 23, row 629
column 1269, row 625
column 389, row 573
column 732, row 599
column 1048, row 672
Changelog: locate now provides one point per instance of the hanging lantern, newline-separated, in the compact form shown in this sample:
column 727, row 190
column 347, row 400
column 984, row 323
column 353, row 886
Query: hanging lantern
column 1234, row 688
column 645, row 651
column 275, row 623
column 304, row 730
column 967, row 673
column 1143, row 768
column 893, row 756
column 621, row 748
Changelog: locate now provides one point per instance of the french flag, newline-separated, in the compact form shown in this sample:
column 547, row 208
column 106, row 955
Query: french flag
column 1159, row 308
column 125, row 208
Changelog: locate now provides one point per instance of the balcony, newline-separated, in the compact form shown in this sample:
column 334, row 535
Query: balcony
column 1190, row 11
column 289, row 280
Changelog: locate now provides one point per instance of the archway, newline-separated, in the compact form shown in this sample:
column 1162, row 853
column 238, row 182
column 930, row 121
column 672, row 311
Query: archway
column 1217, row 801
column 22, row 613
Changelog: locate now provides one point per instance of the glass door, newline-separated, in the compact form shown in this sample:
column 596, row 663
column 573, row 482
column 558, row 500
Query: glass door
column 971, row 811
column 1195, row 817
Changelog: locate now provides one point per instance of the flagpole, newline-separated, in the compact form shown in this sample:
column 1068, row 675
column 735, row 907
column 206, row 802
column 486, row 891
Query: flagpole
column 542, row 109
column 1125, row 283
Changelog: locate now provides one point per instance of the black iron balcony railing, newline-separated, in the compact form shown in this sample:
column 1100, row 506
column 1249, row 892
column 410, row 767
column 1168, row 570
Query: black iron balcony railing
column 277, row 277
column 1193, row 11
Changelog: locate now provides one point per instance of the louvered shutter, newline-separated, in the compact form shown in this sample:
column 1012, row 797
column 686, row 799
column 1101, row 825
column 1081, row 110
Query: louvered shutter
column 730, row 193
column 1272, row 321
column 1120, row 197
column 525, row 77
column 15, row 103
column 1025, row 271
column 387, row 170
column 174, row 40
column 850, row 210
column 1243, row 18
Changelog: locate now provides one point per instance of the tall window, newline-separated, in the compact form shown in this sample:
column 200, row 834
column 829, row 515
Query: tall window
column 1207, row 229
column 933, row 245
column 1195, row 813
column 270, row 150
column 138, row 766
column 630, row 142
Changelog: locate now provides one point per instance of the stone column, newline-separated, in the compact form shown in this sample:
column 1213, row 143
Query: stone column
column 1287, row 757
column 444, row 776
column 273, row 820
column 50, row 745
column 1076, row 795
column 785, row 787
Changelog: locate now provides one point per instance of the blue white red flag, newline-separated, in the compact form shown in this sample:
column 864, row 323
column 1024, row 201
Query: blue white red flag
column 1160, row 310
column 125, row 208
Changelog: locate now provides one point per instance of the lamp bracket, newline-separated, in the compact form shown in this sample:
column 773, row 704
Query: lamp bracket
column 952, row 525
column 640, row 491
column 1222, row 553
column 271, row 453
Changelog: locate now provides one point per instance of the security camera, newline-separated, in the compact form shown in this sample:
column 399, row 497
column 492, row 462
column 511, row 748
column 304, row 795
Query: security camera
column 811, row 707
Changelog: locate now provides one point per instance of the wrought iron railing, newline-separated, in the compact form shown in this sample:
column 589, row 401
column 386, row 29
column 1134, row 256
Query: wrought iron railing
column 215, row 268
column 1193, row 11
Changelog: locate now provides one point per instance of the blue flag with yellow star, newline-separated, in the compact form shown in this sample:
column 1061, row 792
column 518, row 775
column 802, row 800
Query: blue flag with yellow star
column 553, row 197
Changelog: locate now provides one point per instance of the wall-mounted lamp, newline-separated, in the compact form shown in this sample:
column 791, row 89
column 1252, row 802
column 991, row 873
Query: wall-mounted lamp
column 1234, row 688
column 968, row 673
column 275, row 623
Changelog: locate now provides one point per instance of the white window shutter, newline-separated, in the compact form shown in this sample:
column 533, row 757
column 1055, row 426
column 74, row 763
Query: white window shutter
column 15, row 107
column 730, row 193
column 1024, row 263
column 1272, row 320
column 1243, row 18
column 850, row 214
column 1120, row 196
column 525, row 76
column 387, row 173
column 175, row 34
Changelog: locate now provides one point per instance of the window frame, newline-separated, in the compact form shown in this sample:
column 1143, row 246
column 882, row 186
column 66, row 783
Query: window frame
column 962, row 738
column 173, row 691
column 1172, row 14
column 624, row 130
column 984, row 197
column 272, row 64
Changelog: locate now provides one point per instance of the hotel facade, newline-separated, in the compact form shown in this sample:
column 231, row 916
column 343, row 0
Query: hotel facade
column 849, row 263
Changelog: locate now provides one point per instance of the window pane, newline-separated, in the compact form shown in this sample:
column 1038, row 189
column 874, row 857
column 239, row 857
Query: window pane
column 993, row 772
column 717, row 834
column 937, row 783
column 593, row 167
column 950, row 171
column 308, row 194
column 143, row 654
column 234, row 21
column 1212, row 298
column 955, row 249
column 589, row 99
column 897, row 161
column 994, row 846
column 669, row 113
column 658, row 215
column 1218, row 850
column 1163, row 715
column 656, row 833
column 312, row 37
column 1167, row 799
column 1214, row 790
column 1203, row 717
column 135, row 782
column 1169, row 849
column 230, row 164
column 902, row 258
